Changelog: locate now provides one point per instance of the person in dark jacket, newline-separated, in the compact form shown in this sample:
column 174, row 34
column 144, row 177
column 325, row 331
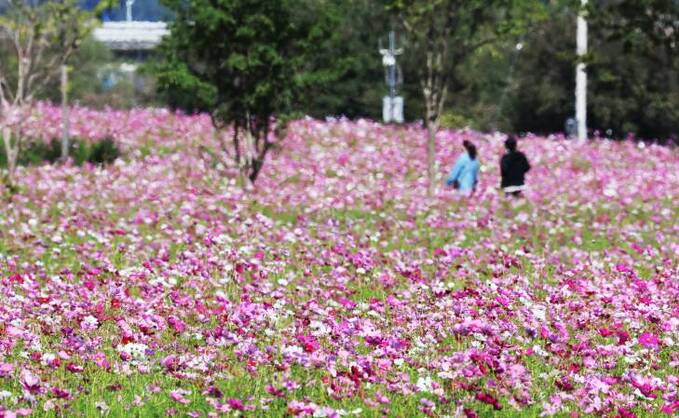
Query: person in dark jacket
column 513, row 166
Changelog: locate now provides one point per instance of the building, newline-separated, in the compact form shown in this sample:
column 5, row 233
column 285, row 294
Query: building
column 131, row 39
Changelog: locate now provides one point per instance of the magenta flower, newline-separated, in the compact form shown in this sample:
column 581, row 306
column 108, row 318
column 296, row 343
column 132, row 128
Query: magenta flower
column 236, row 404
column 670, row 407
column 309, row 343
column 469, row 413
column 178, row 395
column 649, row 340
column 177, row 324
column 101, row 360
column 489, row 399
column 74, row 368
column 6, row 369
column 30, row 382
column 626, row 413
column 339, row 263
column 61, row 393
column 171, row 363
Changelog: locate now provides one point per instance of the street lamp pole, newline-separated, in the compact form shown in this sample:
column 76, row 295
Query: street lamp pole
column 581, row 74
column 392, row 105
column 128, row 14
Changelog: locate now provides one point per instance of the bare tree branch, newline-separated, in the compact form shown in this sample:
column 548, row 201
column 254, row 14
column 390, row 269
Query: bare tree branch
column 42, row 38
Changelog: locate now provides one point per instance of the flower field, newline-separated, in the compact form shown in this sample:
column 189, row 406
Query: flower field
column 155, row 286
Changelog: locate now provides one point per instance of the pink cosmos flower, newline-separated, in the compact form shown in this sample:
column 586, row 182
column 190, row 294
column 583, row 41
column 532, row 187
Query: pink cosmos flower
column 101, row 361
column 236, row 404
column 177, row 324
column 301, row 409
column 489, row 399
column 61, row 393
column 29, row 381
column 670, row 407
column 171, row 363
column 74, row 368
column 309, row 343
column 214, row 392
column 649, row 340
column 271, row 389
column 6, row 369
column 626, row 413
column 153, row 388
column 21, row 412
column 178, row 395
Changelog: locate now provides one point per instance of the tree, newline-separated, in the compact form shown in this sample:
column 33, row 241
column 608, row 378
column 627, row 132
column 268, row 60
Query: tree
column 246, row 62
column 634, row 82
column 638, row 67
column 443, row 33
column 351, row 53
column 85, row 74
column 647, row 27
column 36, row 41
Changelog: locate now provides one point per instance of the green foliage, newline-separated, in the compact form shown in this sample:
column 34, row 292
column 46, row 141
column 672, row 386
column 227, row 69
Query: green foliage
column 40, row 152
column 646, row 27
column 45, row 35
column 104, row 5
column 355, row 83
column 84, row 68
column 443, row 34
column 541, row 101
column 491, row 85
column 636, row 67
column 239, row 60
column 633, row 86
column 452, row 120
column 245, row 62
column 104, row 151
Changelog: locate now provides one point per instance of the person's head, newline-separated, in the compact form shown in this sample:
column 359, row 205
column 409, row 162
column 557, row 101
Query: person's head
column 510, row 143
column 471, row 149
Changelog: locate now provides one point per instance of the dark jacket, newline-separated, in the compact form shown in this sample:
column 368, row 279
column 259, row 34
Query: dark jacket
column 513, row 167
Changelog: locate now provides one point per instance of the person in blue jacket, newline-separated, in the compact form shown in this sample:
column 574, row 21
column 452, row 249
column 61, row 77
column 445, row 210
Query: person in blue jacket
column 465, row 173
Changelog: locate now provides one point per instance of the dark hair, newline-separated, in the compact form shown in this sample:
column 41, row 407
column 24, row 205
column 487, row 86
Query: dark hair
column 510, row 143
column 471, row 149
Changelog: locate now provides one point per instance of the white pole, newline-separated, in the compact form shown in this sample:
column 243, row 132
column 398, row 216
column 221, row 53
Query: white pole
column 581, row 75
column 64, row 113
column 128, row 14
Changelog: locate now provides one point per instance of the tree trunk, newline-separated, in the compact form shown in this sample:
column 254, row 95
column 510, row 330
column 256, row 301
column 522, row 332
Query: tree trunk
column 432, row 125
column 432, row 129
column 12, row 152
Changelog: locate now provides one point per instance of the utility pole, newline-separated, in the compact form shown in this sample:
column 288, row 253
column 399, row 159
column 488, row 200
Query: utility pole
column 392, row 105
column 64, row 113
column 128, row 6
column 581, row 74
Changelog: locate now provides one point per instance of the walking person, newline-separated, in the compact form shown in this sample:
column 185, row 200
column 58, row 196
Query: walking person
column 465, row 173
column 513, row 167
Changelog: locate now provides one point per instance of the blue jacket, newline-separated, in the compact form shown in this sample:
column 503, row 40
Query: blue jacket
column 465, row 172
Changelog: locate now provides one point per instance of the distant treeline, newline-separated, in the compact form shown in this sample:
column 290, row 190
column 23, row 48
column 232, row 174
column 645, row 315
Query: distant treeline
column 524, row 82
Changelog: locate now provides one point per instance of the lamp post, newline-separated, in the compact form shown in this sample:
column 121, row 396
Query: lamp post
column 64, row 113
column 128, row 9
column 581, row 74
column 392, row 105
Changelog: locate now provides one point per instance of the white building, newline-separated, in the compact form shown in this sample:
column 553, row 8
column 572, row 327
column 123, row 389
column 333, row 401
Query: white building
column 130, row 37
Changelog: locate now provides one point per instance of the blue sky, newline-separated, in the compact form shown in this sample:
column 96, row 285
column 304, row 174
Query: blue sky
column 150, row 10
